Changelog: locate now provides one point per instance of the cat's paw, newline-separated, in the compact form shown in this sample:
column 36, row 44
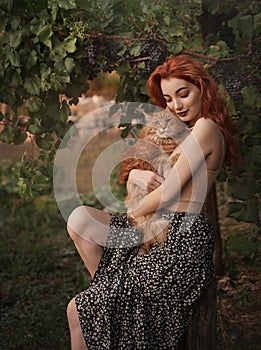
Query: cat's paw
column 174, row 157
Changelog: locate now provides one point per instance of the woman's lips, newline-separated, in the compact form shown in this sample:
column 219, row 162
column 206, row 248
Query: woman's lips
column 182, row 114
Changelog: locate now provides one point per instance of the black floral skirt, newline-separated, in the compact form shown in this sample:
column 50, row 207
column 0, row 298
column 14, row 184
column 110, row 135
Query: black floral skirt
column 144, row 301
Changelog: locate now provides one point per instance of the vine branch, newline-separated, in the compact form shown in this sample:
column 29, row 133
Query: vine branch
column 186, row 51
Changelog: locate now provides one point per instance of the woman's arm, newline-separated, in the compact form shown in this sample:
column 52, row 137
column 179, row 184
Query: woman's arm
column 195, row 149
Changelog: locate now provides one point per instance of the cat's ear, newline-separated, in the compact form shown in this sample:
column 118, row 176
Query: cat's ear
column 147, row 117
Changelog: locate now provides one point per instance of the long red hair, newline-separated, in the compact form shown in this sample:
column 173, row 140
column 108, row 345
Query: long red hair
column 214, row 105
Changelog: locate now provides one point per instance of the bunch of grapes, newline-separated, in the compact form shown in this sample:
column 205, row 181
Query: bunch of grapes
column 125, row 57
column 231, row 79
column 151, row 54
column 90, row 60
column 154, row 54
column 110, row 50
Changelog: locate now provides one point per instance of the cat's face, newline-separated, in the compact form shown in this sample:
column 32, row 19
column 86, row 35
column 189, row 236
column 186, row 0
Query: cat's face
column 165, row 125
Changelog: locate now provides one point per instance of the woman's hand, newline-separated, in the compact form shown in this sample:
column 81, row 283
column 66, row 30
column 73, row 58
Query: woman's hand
column 146, row 179
column 132, row 218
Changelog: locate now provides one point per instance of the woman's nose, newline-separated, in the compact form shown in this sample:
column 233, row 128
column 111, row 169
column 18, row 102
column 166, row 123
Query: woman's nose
column 177, row 105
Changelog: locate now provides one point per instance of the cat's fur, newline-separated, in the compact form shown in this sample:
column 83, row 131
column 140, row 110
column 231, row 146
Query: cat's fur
column 152, row 151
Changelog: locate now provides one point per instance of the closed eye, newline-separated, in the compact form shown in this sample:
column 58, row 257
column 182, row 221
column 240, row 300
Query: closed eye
column 184, row 95
column 167, row 99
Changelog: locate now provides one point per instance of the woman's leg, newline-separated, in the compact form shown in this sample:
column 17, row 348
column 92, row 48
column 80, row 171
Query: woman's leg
column 77, row 339
column 88, row 228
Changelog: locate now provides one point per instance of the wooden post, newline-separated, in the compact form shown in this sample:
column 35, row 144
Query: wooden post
column 202, row 334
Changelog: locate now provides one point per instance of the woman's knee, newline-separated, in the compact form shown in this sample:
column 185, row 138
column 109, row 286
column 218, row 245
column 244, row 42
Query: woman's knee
column 88, row 223
column 77, row 224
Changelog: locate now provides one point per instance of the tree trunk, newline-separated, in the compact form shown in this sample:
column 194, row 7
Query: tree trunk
column 202, row 334
column 212, row 214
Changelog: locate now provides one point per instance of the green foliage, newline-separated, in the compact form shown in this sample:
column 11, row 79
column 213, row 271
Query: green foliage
column 37, row 67
column 243, row 244
column 8, row 188
column 49, row 49
column 39, row 270
column 237, row 40
column 34, row 175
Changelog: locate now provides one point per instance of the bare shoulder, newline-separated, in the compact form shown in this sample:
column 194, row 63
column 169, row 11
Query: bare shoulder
column 205, row 128
column 209, row 136
column 205, row 123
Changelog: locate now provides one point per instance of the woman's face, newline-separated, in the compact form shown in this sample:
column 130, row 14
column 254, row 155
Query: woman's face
column 182, row 98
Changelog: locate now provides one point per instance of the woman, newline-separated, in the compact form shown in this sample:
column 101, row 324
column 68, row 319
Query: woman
column 145, row 301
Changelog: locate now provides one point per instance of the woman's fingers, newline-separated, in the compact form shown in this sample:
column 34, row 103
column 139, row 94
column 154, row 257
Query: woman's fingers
column 155, row 182
column 144, row 178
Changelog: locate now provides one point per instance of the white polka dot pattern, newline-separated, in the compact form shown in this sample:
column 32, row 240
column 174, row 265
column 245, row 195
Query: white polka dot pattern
column 144, row 302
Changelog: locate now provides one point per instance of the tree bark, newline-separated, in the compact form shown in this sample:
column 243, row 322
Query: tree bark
column 212, row 214
column 202, row 334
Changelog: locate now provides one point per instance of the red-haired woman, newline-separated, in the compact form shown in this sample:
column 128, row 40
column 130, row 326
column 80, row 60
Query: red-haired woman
column 144, row 301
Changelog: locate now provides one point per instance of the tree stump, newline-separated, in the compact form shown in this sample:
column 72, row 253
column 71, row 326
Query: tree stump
column 202, row 334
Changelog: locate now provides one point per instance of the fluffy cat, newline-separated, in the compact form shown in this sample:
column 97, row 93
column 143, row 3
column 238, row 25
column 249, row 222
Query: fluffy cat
column 152, row 151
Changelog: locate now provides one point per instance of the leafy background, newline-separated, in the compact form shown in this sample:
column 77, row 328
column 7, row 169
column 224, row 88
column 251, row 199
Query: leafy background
column 50, row 53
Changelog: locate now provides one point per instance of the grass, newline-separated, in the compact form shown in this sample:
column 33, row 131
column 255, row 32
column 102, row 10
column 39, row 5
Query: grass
column 40, row 273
